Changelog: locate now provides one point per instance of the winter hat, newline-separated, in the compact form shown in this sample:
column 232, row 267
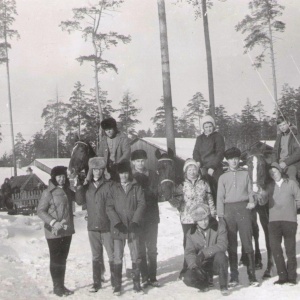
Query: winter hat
column 190, row 162
column 58, row 170
column 276, row 166
column 95, row 163
column 124, row 167
column 208, row 119
column 108, row 123
column 138, row 154
column 201, row 212
column 232, row 152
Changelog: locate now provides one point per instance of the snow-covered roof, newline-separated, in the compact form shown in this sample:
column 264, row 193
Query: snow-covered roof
column 269, row 143
column 7, row 172
column 44, row 176
column 52, row 162
column 184, row 146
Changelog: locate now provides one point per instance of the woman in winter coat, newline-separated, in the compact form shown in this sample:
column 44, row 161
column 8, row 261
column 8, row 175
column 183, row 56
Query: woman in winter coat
column 209, row 151
column 55, row 209
column 125, row 209
column 193, row 192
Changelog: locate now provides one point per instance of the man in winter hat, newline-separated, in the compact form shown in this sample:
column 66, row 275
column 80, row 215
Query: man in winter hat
column 114, row 146
column 206, row 244
column 94, row 195
column 148, row 180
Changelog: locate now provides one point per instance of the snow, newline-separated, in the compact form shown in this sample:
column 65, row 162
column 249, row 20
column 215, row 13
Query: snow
column 52, row 162
column 24, row 264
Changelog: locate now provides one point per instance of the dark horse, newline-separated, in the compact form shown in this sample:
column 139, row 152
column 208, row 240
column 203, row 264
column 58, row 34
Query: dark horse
column 259, row 176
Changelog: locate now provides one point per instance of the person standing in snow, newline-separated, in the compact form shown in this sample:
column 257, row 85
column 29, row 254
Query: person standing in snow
column 188, row 196
column 94, row 195
column 283, row 196
column 55, row 209
column 148, row 180
column 125, row 209
column 209, row 152
column 206, row 244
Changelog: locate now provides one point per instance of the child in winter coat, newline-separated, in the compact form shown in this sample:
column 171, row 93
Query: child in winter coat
column 125, row 209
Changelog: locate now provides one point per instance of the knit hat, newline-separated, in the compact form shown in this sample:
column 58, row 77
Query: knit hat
column 276, row 166
column 124, row 167
column 201, row 212
column 95, row 163
column 108, row 123
column 232, row 152
column 138, row 154
column 190, row 162
column 208, row 119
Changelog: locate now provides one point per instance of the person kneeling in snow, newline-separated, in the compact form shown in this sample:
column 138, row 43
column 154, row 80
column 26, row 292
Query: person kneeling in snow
column 206, row 243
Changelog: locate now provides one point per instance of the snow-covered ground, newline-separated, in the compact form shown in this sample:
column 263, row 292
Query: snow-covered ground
column 24, row 265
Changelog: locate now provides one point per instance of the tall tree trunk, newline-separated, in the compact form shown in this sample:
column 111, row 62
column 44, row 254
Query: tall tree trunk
column 98, row 99
column 166, row 75
column 208, row 60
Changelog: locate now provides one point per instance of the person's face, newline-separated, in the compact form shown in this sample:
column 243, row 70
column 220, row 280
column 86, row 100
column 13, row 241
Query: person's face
column 233, row 163
column 203, row 224
column 208, row 128
column 97, row 173
column 124, row 177
column 139, row 164
column 275, row 174
column 110, row 132
column 283, row 127
column 191, row 172
column 60, row 179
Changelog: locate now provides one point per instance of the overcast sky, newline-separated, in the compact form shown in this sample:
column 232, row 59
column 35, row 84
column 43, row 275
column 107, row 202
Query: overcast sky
column 44, row 58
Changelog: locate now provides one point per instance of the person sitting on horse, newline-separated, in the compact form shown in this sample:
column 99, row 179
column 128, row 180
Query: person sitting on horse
column 125, row 209
column 286, row 150
column 283, row 196
column 209, row 152
column 193, row 192
column 235, row 203
column 148, row 180
column 94, row 196
column 114, row 146
column 206, row 244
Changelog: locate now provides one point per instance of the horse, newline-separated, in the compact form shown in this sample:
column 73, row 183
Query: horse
column 259, row 177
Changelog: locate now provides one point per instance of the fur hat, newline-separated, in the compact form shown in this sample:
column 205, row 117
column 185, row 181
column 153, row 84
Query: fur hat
column 190, row 162
column 276, row 166
column 124, row 167
column 208, row 119
column 108, row 123
column 58, row 170
column 139, row 154
column 232, row 152
column 201, row 212
column 95, row 163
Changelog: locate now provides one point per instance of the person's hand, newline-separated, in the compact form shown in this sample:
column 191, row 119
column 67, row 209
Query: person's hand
column 133, row 227
column 200, row 258
column 282, row 165
column 121, row 227
column 250, row 205
column 210, row 171
column 57, row 226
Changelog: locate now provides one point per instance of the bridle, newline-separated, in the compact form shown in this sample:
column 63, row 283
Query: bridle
column 76, row 144
column 166, row 179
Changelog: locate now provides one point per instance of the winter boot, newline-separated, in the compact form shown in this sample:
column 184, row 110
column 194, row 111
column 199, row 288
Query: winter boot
column 136, row 278
column 112, row 273
column 251, row 270
column 152, row 271
column 118, row 279
column 66, row 291
column 234, row 273
column 58, row 288
column 97, row 268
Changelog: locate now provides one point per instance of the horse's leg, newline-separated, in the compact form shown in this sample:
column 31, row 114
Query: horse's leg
column 264, row 220
column 255, row 229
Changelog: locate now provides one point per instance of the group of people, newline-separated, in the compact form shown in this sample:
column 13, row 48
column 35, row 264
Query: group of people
column 213, row 207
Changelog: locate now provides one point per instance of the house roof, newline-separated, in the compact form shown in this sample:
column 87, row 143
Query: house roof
column 26, row 182
column 44, row 176
column 46, row 164
column 7, row 172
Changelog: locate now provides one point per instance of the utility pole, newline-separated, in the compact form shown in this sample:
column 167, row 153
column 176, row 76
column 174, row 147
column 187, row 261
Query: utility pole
column 166, row 75
column 56, row 123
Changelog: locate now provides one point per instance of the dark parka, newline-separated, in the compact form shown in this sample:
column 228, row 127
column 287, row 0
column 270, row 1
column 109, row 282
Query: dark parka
column 293, row 149
column 56, row 203
column 215, row 241
column 95, row 199
column 125, row 207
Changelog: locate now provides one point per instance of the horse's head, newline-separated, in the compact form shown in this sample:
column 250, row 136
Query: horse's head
column 257, row 169
column 166, row 173
column 81, row 153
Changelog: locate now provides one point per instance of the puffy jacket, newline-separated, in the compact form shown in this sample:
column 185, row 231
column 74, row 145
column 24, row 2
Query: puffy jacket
column 215, row 240
column 95, row 199
column 293, row 149
column 56, row 203
column 125, row 207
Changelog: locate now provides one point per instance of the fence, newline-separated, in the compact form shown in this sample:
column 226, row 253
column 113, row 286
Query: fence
column 26, row 199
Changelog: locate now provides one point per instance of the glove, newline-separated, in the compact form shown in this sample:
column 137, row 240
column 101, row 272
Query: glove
column 200, row 258
column 133, row 227
column 121, row 227
column 201, row 274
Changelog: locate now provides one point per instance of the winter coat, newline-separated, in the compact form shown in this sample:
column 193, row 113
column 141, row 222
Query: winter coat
column 215, row 240
column 293, row 149
column 149, row 184
column 56, row 203
column 125, row 207
column 188, row 196
column 122, row 148
column 209, row 151
column 95, row 199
